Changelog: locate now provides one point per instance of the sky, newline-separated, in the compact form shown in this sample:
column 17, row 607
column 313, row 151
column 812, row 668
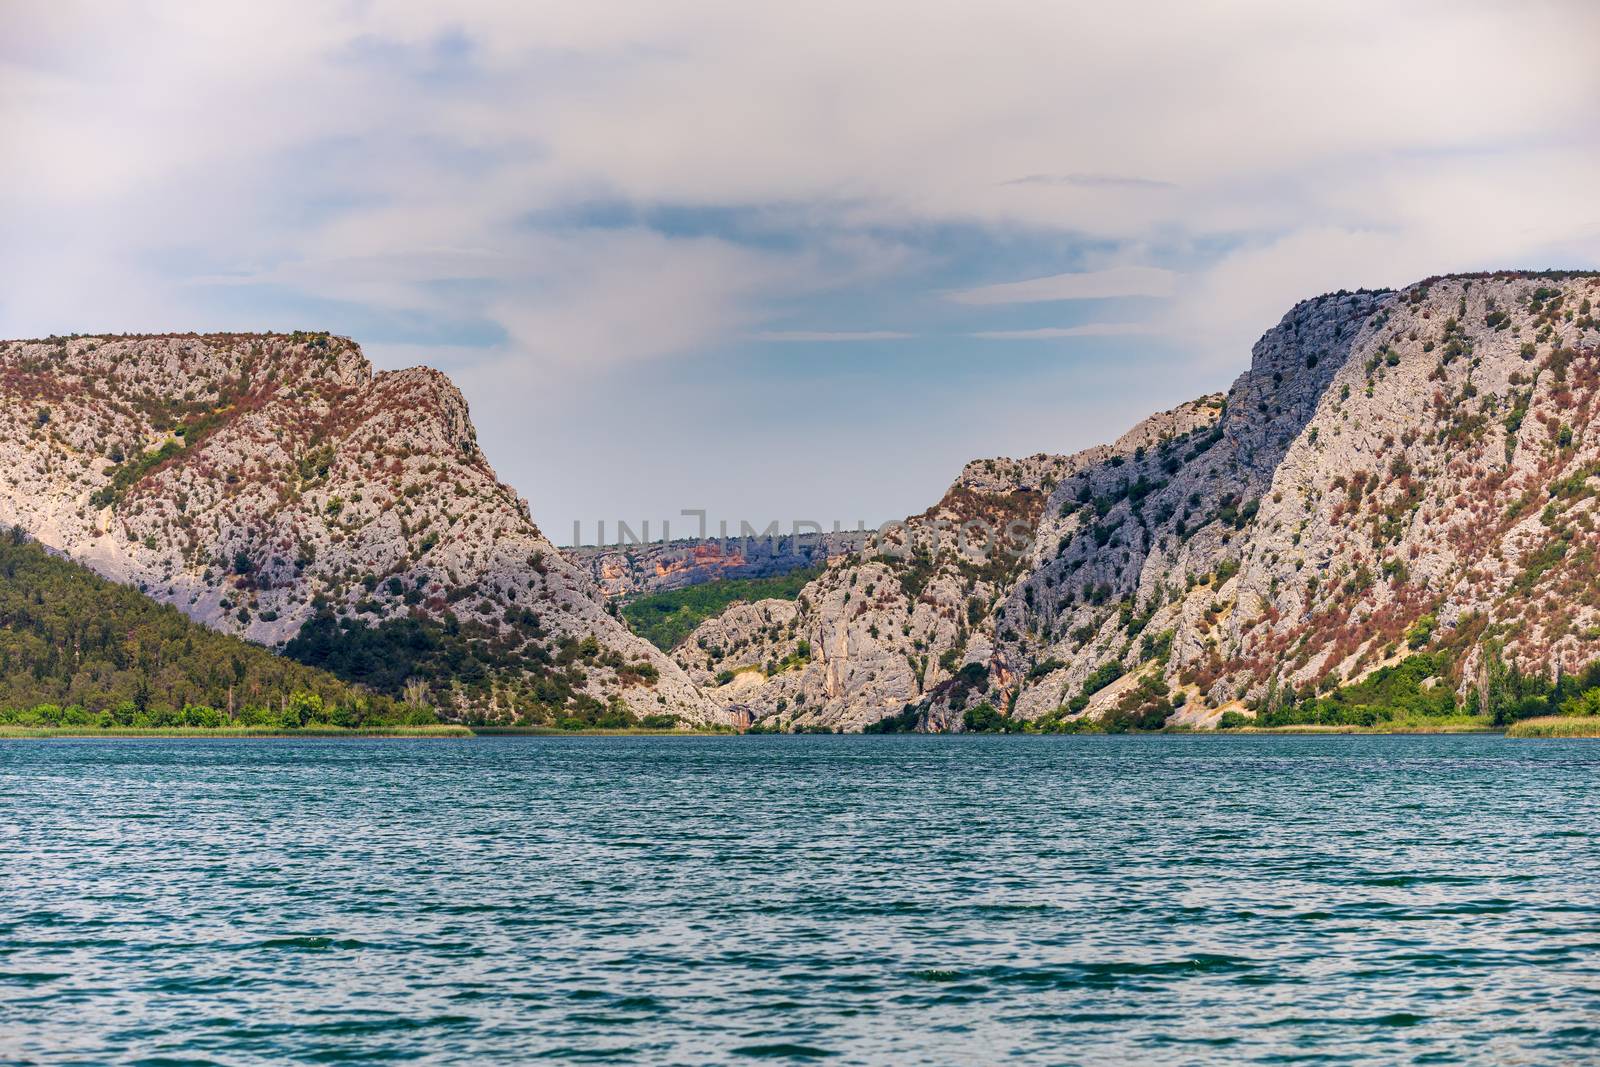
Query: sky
column 780, row 261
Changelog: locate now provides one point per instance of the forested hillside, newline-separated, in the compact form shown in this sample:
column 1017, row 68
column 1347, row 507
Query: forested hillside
column 75, row 647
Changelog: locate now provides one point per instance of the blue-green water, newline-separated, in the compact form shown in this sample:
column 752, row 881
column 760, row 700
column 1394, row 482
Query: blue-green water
column 886, row 900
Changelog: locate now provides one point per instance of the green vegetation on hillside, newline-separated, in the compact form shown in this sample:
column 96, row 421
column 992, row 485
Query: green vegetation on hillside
column 79, row 651
column 1145, row 706
column 665, row 619
column 1402, row 691
column 1416, row 693
column 311, row 730
column 199, row 422
column 130, row 472
column 516, row 676
column 1421, row 688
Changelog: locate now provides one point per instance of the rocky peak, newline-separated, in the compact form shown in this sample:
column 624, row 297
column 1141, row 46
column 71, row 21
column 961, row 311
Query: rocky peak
column 1394, row 471
column 258, row 481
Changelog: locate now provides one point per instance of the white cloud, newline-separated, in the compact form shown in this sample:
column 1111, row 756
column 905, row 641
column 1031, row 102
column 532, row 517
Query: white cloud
column 1087, row 329
column 1093, row 181
column 830, row 335
column 630, row 295
column 335, row 150
column 1083, row 285
column 172, row 162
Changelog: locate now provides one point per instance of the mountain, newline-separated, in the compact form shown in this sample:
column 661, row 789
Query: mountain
column 69, row 638
column 654, row 567
column 1401, row 479
column 275, row 488
column 1396, row 498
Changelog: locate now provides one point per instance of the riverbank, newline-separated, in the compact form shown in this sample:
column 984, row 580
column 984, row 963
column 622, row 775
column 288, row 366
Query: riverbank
column 442, row 730
column 1462, row 724
column 626, row 731
column 1554, row 726
column 1547, row 727
column 10, row 732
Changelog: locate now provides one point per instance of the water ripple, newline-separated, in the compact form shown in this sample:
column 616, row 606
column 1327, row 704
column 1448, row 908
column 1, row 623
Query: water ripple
column 1093, row 900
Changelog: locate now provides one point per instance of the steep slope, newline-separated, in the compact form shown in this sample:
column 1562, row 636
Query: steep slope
column 915, row 612
column 1447, row 481
column 264, row 482
column 1396, row 472
column 70, row 638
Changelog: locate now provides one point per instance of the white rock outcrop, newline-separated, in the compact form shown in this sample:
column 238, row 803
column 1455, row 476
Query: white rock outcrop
column 1396, row 471
column 256, row 480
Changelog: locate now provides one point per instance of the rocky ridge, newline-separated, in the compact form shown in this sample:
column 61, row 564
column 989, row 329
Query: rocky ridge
column 1396, row 471
column 913, row 613
column 260, row 481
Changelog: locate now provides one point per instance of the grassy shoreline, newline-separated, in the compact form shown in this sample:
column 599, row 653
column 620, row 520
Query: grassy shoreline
column 443, row 730
column 226, row 732
column 1556, row 726
column 596, row 731
column 1548, row 727
column 1475, row 725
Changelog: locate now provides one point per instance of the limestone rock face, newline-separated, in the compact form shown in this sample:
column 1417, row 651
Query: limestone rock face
column 723, row 645
column 1396, row 471
column 255, row 480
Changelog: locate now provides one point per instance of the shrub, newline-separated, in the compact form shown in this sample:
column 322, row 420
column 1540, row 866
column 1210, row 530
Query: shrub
column 985, row 718
column 1103, row 676
column 1421, row 631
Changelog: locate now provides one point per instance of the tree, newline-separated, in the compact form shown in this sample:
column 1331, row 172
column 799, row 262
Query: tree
column 984, row 718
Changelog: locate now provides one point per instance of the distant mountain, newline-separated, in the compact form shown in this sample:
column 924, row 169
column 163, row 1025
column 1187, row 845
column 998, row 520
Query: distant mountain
column 274, row 487
column 628, row 570
column 1408, row 473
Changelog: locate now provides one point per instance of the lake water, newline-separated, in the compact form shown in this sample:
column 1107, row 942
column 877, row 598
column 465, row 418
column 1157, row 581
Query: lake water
column 882, row 900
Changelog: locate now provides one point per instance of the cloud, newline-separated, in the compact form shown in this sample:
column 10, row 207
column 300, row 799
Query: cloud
column 830, row 335
column 429, row 178
column 1084, row 285
column 1088, row 329
column 1092, row 181
column 634, row 295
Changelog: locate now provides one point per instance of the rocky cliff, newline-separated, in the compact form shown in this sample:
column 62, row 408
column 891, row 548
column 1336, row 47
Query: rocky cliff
column 1396, row 471
column 264, row 482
